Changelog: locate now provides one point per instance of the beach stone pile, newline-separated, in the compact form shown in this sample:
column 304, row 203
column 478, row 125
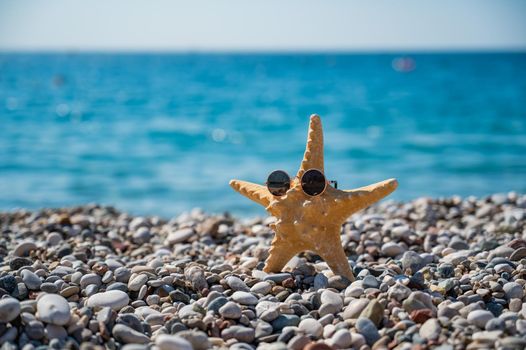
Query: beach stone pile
column 446, row 274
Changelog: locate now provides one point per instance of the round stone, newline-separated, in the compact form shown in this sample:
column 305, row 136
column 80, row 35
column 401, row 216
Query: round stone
column 392, row 249
column 230, row 310
column 241, row 333
column 24, row 248
column 312, row 327
column 137, row 282
column 172, row 342
column 262, row 287
column 366, row 327
column 9, row 309
column 244, row 298
column 480, row 318
column 430, row 329
column 236, row 284
column 54, row 309
column 128, row 335
column 31, row 280
column 90, row 278
column 513, row 290
column 115, row 299
column 341, row 339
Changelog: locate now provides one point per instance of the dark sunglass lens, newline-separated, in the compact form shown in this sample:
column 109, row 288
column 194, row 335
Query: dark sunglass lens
column 313, row 182
column 278, row 183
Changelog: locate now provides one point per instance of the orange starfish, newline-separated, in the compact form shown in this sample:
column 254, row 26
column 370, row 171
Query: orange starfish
column 312, row 222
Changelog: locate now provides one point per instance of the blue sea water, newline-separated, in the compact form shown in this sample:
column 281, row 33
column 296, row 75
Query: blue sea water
column 163, row 133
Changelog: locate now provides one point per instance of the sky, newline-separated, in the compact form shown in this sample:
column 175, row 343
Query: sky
column 277, row 25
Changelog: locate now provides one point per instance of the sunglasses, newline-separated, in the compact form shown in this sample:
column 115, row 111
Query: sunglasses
column 313, row 182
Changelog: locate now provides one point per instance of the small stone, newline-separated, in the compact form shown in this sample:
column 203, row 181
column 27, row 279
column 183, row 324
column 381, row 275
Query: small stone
column 9, row 309
column 56, row 332
column 392, row 249
column 18, row 262
column 284, row 321
column 128, row 335
column 49, row 287
column 244, row 298
column 369, row 331
column 172, row 342
column 230, row 310
column 24, row 248
column 430, row 329
column 338, row 282
column 31, row 280
column 198, row 339
column 355, row 308
column 115, row 299
column 179, row 236
column 373, row 311
column 312, row 327
column 8, row 283
column 412, row 261
column 513, row 290
column 137, row 282
column 241, row 333
column 54, row 309
column 341, row 339
column 35, row 330
column 261, row 288
column 53, row 239
column 236, row 284
column 320, row 281
column 479, row 318
column 277, row 278
column 298, row 342
column 370, row 282
column 90, row 278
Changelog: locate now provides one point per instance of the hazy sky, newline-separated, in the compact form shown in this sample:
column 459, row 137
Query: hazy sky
column 262, row 25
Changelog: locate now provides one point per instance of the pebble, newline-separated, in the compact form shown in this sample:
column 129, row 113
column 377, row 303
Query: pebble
column 31, row 280
column 114, row 299
column 261, row 288
column 236, row 284
column 230, row 310
column 341, row 339
column 480, row 318
column 54, row 309
column 368, row 330
column 241, row 333
column 312, row 327
column 24, row 248
column 9, row 309
column 430, row 329
column 244, row 298
column 128, row 335
column 172, row 342
column 392, row 249
column 137, row 282
column 513, row 290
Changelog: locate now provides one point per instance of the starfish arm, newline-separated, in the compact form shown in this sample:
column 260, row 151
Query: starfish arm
column 252, row 191
column 355, row 200
column 338, row 262
column 313, row 156
column 279, row 256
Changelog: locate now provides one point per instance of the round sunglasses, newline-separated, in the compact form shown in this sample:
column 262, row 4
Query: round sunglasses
column 313, row 182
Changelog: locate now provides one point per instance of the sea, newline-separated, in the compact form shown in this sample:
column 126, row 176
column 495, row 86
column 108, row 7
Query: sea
column 163, row 133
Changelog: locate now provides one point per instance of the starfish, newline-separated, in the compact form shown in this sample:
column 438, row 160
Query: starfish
column 312, row 223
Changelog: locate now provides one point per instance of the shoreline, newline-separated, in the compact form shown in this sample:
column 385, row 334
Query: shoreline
column 445, row 272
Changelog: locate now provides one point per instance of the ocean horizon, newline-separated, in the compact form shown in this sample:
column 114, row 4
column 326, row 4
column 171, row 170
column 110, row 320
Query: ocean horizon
column 162, row 133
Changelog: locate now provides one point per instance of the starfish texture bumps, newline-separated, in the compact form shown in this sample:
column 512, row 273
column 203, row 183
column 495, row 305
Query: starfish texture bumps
column 312, row 223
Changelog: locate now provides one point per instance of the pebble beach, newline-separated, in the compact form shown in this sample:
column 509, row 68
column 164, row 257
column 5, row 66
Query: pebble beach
column 445, row 274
